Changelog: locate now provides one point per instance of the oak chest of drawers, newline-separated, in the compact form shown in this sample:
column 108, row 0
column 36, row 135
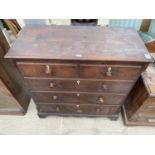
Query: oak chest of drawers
column 79, row 71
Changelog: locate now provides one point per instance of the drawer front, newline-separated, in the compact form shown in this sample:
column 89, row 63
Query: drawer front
column 48, row 70
column 148, row 111
column 79, row 85
column 78, row 98
column 111, row 72
column 69, row 70
column 80, row 109
column 147, row 119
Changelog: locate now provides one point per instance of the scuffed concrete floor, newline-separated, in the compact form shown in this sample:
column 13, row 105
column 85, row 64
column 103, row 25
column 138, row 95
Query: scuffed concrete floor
column 32, row 124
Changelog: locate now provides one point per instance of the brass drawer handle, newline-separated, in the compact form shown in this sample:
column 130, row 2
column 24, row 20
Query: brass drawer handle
column 77, row 105
column 78, row 110
column 78, row 94
column 101, row 99
column 78, row 82
column 104, row 86
column 109, row 73
column 57, row 109
column 52, row 85
column 55, row 97
column 48, row 69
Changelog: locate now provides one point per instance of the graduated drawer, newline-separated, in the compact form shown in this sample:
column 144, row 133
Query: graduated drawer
column 78, row 98
column 147, row 114
column 110, row 72
column 80, row 109
column 79, row 85
column 147, row 119
column 147, row 111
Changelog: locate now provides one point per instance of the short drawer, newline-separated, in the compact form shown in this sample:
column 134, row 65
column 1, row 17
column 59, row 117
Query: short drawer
column 78, row 98
column 111, row 72
column 48, row 69
column 79, row 85
column 78, row 109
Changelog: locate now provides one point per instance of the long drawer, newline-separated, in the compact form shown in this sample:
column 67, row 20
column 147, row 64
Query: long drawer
column 48, row 84
column 81, row 109
column 148, row 111
column 147, row 118
column 98, row 71
column 78, row 98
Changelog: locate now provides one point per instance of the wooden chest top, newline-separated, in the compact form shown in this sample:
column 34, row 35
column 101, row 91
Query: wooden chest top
column 79, row 43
